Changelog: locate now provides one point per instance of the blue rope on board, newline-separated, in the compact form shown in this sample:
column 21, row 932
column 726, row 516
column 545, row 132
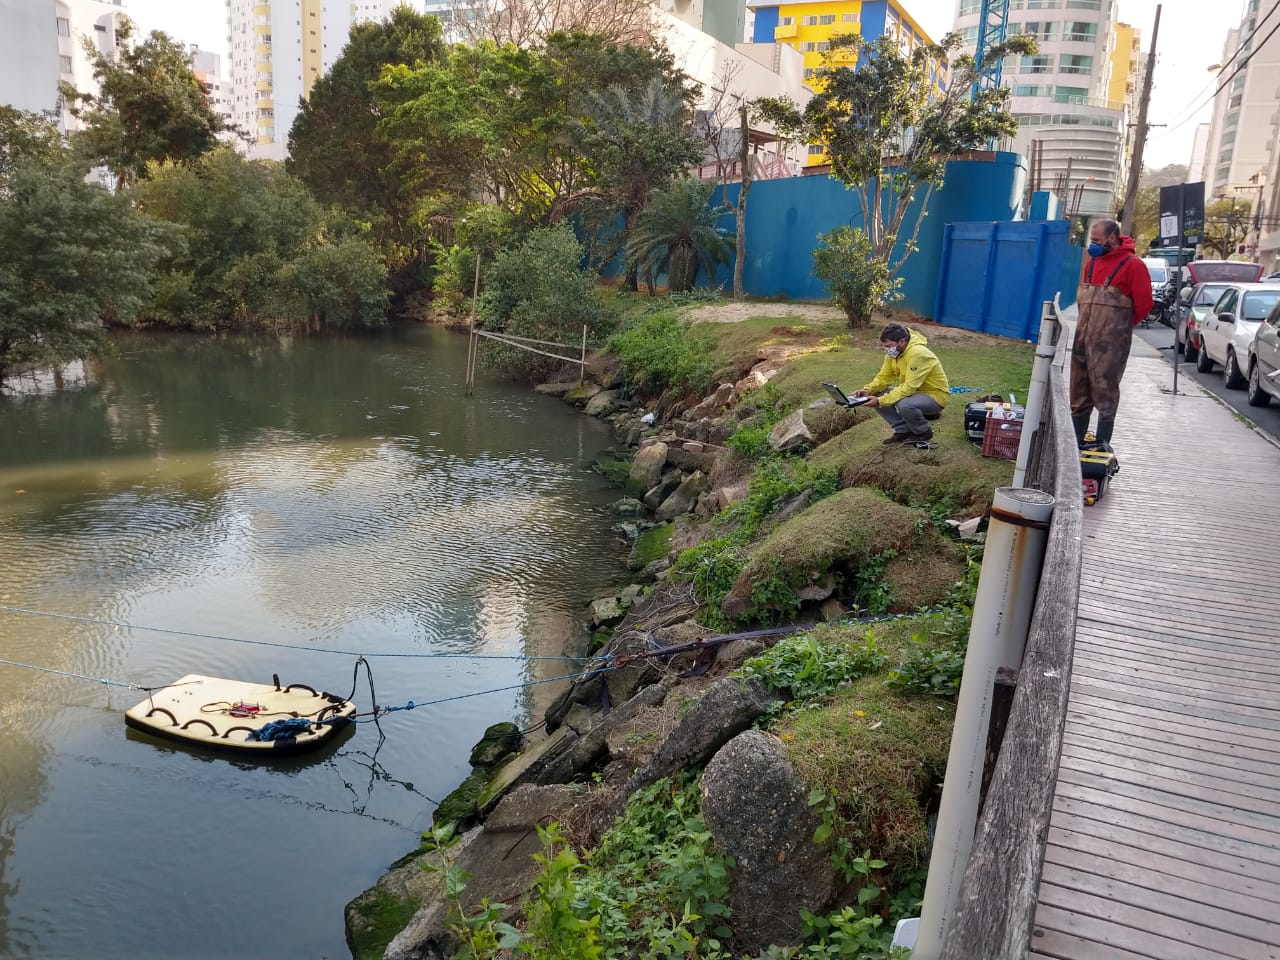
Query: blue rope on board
column 281, row 729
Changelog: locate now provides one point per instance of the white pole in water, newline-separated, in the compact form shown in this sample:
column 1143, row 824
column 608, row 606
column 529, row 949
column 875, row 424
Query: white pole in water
column 1002, row 609
column 1037, row 391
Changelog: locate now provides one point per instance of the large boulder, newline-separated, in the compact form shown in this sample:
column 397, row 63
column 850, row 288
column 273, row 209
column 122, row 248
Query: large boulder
column 662, row 489
column 647, row 464
column 685, row 497
column 712, row 405
column 790, row 434
column 758, row 810
column 603, row 403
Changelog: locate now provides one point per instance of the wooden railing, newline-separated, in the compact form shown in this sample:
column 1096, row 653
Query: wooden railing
column 996, row 912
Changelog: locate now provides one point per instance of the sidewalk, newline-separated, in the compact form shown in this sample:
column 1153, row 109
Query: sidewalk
column 1165, row 837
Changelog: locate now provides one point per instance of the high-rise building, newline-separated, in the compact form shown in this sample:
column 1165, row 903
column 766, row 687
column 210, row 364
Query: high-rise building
column 809, row 25
column 1067, row 95
column 278, row 50
column 1199, row 152
column 42, row 43
column 1242, row 130
column 207, row 67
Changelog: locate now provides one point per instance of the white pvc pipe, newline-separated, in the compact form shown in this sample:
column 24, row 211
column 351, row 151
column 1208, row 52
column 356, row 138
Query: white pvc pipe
column 1037, row 391
column 1002, row 610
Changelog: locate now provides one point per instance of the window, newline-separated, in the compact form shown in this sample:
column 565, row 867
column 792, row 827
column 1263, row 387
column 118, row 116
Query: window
column 1226, row 155
column 1238, row 83
column 809, row 21
column 64, row 27
column 808, row 46
column 786, row 21
column 1036, row 64
column 849, row 18
column 1042, row 4
column 1084, row 4
column 1075, row 63
column 1042, row 90
column 1070, row 94
column 824, row 46
column 64, row 64
column 1079, row 30
column 816, row 148
column 968, row 7
column 827, row 18
column 1232, row 119
column 1041, row 29
column 969, row 35
column 1226, row 303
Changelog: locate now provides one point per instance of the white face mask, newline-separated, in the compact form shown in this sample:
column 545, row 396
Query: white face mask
column 892, row 352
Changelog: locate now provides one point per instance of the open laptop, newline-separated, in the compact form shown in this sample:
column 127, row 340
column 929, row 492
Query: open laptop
column 842, row 398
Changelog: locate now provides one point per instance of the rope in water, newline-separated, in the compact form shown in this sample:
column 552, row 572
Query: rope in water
column 124, row 625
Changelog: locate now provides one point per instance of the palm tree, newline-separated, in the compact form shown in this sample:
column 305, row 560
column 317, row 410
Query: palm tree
column 677, row 232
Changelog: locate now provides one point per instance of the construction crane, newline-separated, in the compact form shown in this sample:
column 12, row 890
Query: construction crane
column 993, row 25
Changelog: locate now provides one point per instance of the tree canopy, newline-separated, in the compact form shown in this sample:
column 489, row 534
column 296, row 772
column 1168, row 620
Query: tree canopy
column 149, row 107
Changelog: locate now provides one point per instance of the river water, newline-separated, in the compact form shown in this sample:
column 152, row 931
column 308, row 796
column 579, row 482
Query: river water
column 315, row 493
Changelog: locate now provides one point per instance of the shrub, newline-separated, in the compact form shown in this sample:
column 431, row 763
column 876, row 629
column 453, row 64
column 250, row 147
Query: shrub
column 660, row 352
column 858, row 280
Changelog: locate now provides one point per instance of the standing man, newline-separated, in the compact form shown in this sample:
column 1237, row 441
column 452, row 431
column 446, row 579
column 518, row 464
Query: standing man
column 1114, row 296
column 919, row 386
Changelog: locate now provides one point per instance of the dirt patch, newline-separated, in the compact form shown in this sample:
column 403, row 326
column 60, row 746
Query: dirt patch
column 737, row 312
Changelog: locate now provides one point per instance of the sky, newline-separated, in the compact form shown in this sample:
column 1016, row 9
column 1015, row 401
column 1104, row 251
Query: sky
column 1190, row 41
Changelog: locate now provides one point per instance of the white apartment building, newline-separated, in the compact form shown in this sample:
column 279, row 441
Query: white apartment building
column 42, row 44
column 1199, row 149
column 1239, row 154
column 207, row 67
column 1062, row 95
column 278, row 50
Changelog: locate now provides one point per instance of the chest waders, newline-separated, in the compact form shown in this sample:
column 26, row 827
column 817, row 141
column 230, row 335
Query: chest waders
column 1104, row 334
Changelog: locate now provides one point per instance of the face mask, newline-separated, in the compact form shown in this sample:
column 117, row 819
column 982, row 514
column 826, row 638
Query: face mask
column 892, row 352
column 1096, row 249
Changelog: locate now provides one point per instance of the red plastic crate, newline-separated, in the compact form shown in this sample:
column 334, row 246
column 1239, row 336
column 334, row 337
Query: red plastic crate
column 1000, row 437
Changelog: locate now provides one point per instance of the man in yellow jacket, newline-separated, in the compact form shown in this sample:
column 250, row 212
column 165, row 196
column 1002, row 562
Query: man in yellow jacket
column 911, row 388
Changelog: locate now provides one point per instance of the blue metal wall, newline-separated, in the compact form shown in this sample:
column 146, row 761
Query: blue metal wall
column 784, row 218
column 766, row 21
column 995, row 276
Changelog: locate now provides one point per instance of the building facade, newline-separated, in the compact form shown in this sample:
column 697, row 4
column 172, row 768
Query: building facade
column 809, row 27
column 1068, row 95
column 207, row 67
column 1242, row 131
column 278, row 50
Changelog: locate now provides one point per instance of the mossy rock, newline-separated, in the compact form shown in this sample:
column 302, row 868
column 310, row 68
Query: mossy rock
column 954, row 473
column 653, row 544
column 613, row 466
column 835, row 534
column 462, row 806
column 499, row 742
column 829, row 420
column 891, row 759
column 373, row 921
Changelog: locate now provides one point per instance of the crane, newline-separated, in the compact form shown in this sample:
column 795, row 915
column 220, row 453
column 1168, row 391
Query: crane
column 993, row 25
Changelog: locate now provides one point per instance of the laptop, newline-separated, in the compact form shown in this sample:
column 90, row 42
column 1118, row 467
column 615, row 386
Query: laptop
column 840, row 397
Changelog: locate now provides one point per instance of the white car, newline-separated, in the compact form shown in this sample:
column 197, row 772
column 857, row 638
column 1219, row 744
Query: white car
column 1264, row 361
column 1227, row 332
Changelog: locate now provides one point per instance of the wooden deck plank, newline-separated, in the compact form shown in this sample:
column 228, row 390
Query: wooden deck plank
column 1165, row 837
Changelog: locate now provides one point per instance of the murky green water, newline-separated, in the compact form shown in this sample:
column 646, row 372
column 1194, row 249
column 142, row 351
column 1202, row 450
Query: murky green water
column 336, row 494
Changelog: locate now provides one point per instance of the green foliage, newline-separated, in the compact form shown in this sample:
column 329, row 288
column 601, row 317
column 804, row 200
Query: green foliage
column 809, row 668
column 557, row 928
column 773, row 482
column 676, row 234
column 335, row 145
column 858, row 280
column 72, row 255
column 539, row 289
column 28, row 137
column 149, row 106
column 751, row 439
column 934, row 664
column 871, row 591
column 479, row 935
column 258, row 250
column 661, row 352
column 658, row 885
column 713, row 567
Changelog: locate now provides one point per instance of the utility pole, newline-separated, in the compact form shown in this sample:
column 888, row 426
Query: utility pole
column 1140, row 142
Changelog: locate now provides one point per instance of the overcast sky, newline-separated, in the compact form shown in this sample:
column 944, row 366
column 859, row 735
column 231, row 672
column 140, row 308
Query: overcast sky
column 1190, row 41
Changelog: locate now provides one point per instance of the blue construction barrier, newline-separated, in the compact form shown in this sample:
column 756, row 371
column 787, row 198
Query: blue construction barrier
column 995, row 275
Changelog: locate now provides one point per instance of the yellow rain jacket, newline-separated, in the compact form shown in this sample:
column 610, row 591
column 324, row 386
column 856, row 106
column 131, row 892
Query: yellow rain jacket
column 916, row 370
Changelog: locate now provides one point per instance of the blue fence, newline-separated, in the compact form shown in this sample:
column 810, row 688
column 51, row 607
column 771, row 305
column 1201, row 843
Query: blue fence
column 995, row 276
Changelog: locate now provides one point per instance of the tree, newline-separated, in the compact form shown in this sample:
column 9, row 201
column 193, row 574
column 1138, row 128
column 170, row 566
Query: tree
column 26, row 137
column 676, row 233
column 527, row 23
column 859, row 281
column 72, row 255
column 1146, row 216
column 1226, row 226
column 889, row 129
column 335, row 145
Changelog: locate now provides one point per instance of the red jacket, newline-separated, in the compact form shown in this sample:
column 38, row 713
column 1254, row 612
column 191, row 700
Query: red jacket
column 1132, row 280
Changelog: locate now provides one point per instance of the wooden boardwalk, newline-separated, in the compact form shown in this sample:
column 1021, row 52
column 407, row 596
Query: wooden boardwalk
column 1165, row 836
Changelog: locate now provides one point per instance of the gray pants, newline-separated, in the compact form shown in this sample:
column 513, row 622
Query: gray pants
column 911, row 414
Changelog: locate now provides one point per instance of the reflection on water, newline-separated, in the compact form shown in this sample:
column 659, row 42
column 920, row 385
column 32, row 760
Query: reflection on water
column 331, row 495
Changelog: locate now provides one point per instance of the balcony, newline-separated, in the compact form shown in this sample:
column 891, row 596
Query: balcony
column 784, row 32
column 263, row 86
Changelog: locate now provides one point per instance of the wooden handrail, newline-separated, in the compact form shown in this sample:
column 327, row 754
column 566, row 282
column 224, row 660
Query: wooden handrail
column 997, row 907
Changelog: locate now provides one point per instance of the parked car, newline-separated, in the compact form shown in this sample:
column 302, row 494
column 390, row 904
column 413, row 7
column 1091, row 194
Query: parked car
column 1223, row 271
column 1158, row 268
column 1193, row 306
column 1264, row 361
column 1227, row 331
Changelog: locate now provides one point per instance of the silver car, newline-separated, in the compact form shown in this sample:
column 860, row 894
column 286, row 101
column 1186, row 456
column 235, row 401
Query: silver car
column 1264, row 361
column 1228, row 330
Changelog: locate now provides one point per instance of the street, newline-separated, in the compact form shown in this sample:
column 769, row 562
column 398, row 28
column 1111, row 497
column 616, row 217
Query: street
column 1267, row 418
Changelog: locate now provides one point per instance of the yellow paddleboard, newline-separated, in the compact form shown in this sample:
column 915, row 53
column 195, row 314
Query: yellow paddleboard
column 240, row 717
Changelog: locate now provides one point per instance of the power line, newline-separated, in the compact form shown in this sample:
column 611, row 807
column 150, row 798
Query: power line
column 1244, row 63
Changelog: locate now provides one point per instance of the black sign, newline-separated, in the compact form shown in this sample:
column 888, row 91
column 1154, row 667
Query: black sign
column 1192, row 213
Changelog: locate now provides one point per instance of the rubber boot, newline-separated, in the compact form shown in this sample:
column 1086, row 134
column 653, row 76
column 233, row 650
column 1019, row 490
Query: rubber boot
column 1081, row 423
column 1105, row 429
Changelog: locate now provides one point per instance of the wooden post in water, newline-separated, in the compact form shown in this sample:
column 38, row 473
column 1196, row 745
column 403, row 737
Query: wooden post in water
column 582, row 364
column 472, row 340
